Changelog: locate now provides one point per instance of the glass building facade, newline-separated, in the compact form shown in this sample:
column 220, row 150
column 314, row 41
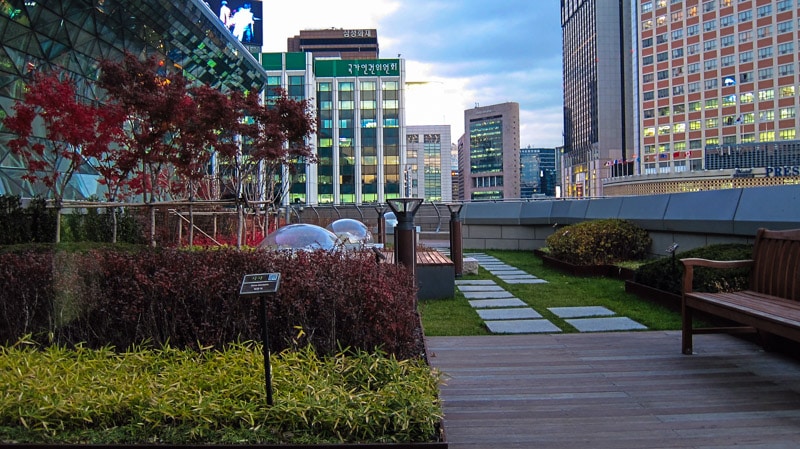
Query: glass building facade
column 74, row 35
column 429, row 163
column 489, row 153
column 538, row 172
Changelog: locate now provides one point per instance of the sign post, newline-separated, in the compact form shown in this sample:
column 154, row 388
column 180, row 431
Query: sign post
column 261, row 285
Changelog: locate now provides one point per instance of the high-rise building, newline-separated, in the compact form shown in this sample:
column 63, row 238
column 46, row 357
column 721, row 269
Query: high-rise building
column 336, row 43
column 718, row 95
column 428, row 163
column 74, row 35
column 538, row 172
column 597, row 92
column 489, row 153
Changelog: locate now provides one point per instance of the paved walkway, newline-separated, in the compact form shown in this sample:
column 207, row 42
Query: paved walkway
column 503, row 313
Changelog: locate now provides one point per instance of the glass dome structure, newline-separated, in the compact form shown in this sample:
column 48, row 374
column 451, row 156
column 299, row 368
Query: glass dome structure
column 350, row 231
column 302, row 237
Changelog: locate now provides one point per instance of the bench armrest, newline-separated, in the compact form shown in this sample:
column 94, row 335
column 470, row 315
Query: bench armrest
column 690, row 263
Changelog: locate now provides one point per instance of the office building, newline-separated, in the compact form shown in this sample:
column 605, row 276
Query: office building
column 73, row 35
column 336, row 43
column 598, row 94
column 538, row 172
column 489, row 153
column 717, row 95
column 428, row 169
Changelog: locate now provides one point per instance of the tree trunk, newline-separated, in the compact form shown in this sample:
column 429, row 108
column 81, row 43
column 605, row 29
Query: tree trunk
column 115, row 224
column 58, row 223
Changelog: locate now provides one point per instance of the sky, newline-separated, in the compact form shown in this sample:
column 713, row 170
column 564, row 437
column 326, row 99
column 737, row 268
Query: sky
column 458, row 53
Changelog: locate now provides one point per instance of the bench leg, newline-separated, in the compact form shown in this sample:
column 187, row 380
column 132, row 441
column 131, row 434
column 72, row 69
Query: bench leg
column 686, row 329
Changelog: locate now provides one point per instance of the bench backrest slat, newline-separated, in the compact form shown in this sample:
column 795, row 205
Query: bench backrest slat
column 776, row 270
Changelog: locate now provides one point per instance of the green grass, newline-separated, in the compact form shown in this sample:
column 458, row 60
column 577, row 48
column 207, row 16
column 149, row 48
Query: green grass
column 455, row 316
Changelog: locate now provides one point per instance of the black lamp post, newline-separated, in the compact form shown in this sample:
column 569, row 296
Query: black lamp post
column 405, row 241
column 456, row 250
column 381, row 210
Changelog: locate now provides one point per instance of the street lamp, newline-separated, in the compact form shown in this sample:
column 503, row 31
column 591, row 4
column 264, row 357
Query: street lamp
column 405, row 244
column 456, row 250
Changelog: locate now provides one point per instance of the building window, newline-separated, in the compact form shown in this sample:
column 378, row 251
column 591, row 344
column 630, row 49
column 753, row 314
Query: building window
column 663, row 74
column 695, row 144
column 679, row 128
column 647, row 7
column 695, row 125
column 647, row 43
column 711, row 84
column 746, row 56
column 726, row 41
column 787, row 91
column 745, row 16
column 709, row 6
column 766, row 136
column 693, row 68
column 648, row 96
column 647, row 78
column 746, row 97
column 746, row 77
column 692, row 49
column 678, row 109
column 693, row 87
column 694, row 106
column 712, row 103
column 784, row 113
column 649, row 131
column 647, row 24
column 662, row 39
column 727, row 61
column 786, row 69
column 710, row 64
column 765, row 52
column 765, row 31
column 677, row 71
column 724, row 3
column 726, row 21
column 649, row 113
column 748, row 118
column 663, row 130
column 748, row 138
column 784, row 5
column 647, row 60
column 766, row 94
column 663, row 93
column 661, row 20
column 712, row 141
column 785, row 27
column 765, row 74
column 729, row 100
column 663, row 56
column 785, row 49
column 692, row 30
column 677, row 90
column 677, row 34
column 677, row 53
column 710, row 44
column 677, row 16
column 710, row 25
column 663, row 112
column 745, row 36
column 764, row 11
column 787, row 134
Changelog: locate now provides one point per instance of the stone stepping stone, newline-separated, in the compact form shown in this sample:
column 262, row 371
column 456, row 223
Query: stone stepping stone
column 488, row 295
column 521, row 326
column 605, row 324
column 524, row 281
column 494, row 303
column 508, row 272
column 579, row 312
column 516, row 276
column 481, row 288
column 475, row 282
column 516, row 313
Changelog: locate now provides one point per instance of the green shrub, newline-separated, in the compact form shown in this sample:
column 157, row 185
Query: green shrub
column 665, row 275
column 212, row 396
column 599, row 242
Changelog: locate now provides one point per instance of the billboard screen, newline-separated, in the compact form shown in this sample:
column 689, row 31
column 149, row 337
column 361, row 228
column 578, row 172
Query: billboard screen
column 243, row 18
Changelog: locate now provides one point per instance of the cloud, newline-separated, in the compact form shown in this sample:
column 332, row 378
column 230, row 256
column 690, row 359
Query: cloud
column 458, row 53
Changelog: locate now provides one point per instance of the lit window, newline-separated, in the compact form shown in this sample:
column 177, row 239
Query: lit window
column 787, row 134
column 649, row 132
column 787, row 91
column 746, row 97
column 766, row 94
column 695, row 125
column 766, row 136
column 787, row 113
column 679, row 128
column 663, row 130
column 712, row 103
column 712, row 122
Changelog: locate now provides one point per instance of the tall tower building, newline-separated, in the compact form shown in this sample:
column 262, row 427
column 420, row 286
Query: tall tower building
column 336, row 43
column 428, row 163
column 718, row 90
column 598, row 92
column 489, row 153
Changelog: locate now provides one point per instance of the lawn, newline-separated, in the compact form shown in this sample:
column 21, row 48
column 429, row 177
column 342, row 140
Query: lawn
column 454, row 316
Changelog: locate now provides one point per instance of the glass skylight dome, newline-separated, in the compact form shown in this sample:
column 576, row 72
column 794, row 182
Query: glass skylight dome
column 303, row 237
column 350, row 231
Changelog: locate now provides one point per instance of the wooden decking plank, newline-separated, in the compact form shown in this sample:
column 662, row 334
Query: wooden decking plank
column 615, row 390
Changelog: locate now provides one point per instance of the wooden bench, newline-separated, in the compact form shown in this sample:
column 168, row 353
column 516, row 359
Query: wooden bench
column 770, row 305
column 435, row 274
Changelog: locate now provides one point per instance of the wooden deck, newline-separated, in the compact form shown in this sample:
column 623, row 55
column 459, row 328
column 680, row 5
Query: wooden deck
column 423, row 258
column 615, row 390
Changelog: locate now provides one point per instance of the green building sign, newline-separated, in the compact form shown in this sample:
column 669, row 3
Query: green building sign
column 325, row 68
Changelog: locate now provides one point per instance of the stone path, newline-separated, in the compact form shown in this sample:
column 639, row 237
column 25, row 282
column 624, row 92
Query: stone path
column 505, row 314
